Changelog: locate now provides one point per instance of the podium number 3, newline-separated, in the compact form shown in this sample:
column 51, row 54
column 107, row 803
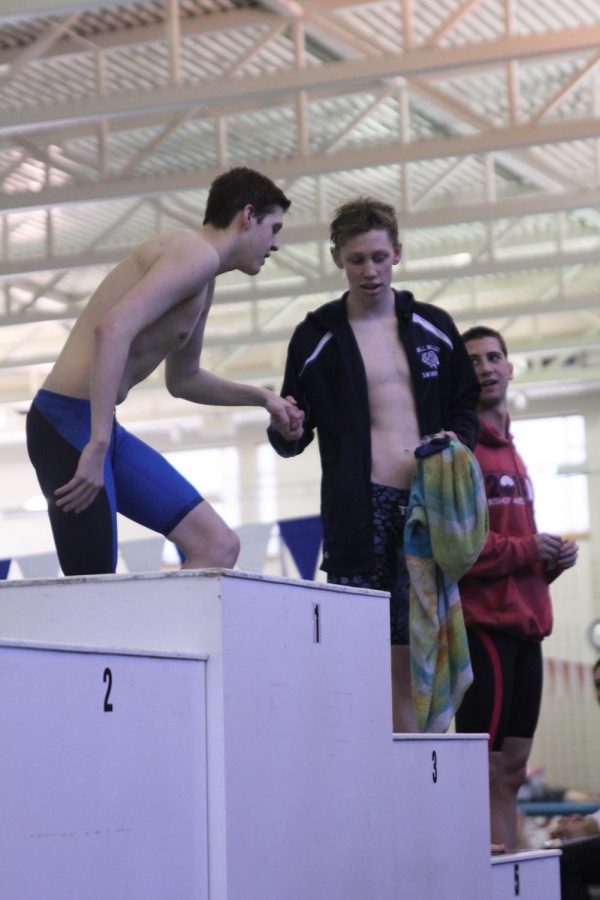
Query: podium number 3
column 434, row 771
column 107, row 679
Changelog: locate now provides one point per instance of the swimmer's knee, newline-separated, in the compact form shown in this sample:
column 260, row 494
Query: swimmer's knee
column 231, row 550
column 220, row 551
column 206, row 540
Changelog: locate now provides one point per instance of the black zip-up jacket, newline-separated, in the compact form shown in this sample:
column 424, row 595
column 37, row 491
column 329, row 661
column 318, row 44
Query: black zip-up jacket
column 325, row 373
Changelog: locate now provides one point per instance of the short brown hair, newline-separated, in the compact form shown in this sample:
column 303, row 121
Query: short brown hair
column 233, row 190
column 482, row 331
column 360, row 215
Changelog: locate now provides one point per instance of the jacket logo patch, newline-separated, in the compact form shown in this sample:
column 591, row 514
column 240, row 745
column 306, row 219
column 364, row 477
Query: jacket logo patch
column 505, row 489
column 429, row 357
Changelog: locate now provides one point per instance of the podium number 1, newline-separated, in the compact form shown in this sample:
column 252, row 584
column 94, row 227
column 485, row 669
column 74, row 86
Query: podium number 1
column 107, row 679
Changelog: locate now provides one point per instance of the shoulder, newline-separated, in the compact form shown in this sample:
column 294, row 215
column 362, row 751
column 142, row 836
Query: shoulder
column 330, row 313
column 436, row 322
column 322, row 319
column 312, row 336
column 418, row 313
column 183, row 246
column 434, row 315
column 188, row 245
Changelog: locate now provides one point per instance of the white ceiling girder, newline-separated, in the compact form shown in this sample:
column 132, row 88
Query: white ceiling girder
column 316, row 164
column 289, row 81
column 293, row 234
column 546, row 349
column 540, row 156
column 323, row 284
column 215, row 22
column 14, row 10
column 462, row 118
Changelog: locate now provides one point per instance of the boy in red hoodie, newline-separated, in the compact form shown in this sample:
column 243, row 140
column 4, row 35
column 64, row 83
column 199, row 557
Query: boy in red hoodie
column 505, row 597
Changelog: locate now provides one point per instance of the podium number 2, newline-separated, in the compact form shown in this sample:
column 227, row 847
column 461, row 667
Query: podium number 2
column 107, row 679
column 434, row 771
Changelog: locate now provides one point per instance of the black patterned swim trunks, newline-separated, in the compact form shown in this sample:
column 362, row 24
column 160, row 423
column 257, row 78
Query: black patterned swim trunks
column 390, row 572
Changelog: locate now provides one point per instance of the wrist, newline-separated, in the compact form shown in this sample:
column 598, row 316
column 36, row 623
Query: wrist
column 266, row 397
column 98, row 444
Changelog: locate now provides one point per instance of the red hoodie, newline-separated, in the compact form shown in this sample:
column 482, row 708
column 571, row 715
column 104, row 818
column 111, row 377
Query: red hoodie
column 507, row 588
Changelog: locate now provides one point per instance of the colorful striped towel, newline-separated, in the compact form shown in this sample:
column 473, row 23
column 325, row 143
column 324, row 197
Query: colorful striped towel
column 446, row 528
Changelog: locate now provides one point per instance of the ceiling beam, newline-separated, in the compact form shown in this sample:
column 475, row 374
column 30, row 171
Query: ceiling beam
column 571, row 304
column 516, row 207
column 324, row 284
column 342, row 74
column 21, row 9
column 323, row 163
column 143, row 34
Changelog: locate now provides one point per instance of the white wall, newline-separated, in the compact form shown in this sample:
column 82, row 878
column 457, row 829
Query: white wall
column 568, row 735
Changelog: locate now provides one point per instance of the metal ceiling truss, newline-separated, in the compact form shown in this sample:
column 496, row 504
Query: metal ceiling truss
column 478, row 119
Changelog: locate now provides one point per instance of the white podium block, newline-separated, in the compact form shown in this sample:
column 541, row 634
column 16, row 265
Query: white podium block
column 194, row 735
column 442, row 817
column 102, row 784
column 528, row 875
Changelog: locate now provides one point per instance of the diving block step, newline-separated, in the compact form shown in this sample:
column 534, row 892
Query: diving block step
column 528, row 875
column 441, row 817
column 200, row 734
column 103, row 780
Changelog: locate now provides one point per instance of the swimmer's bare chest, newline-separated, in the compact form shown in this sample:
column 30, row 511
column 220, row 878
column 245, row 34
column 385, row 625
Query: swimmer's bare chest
column 394, row 425
column 72, row 371
column 153, row 344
